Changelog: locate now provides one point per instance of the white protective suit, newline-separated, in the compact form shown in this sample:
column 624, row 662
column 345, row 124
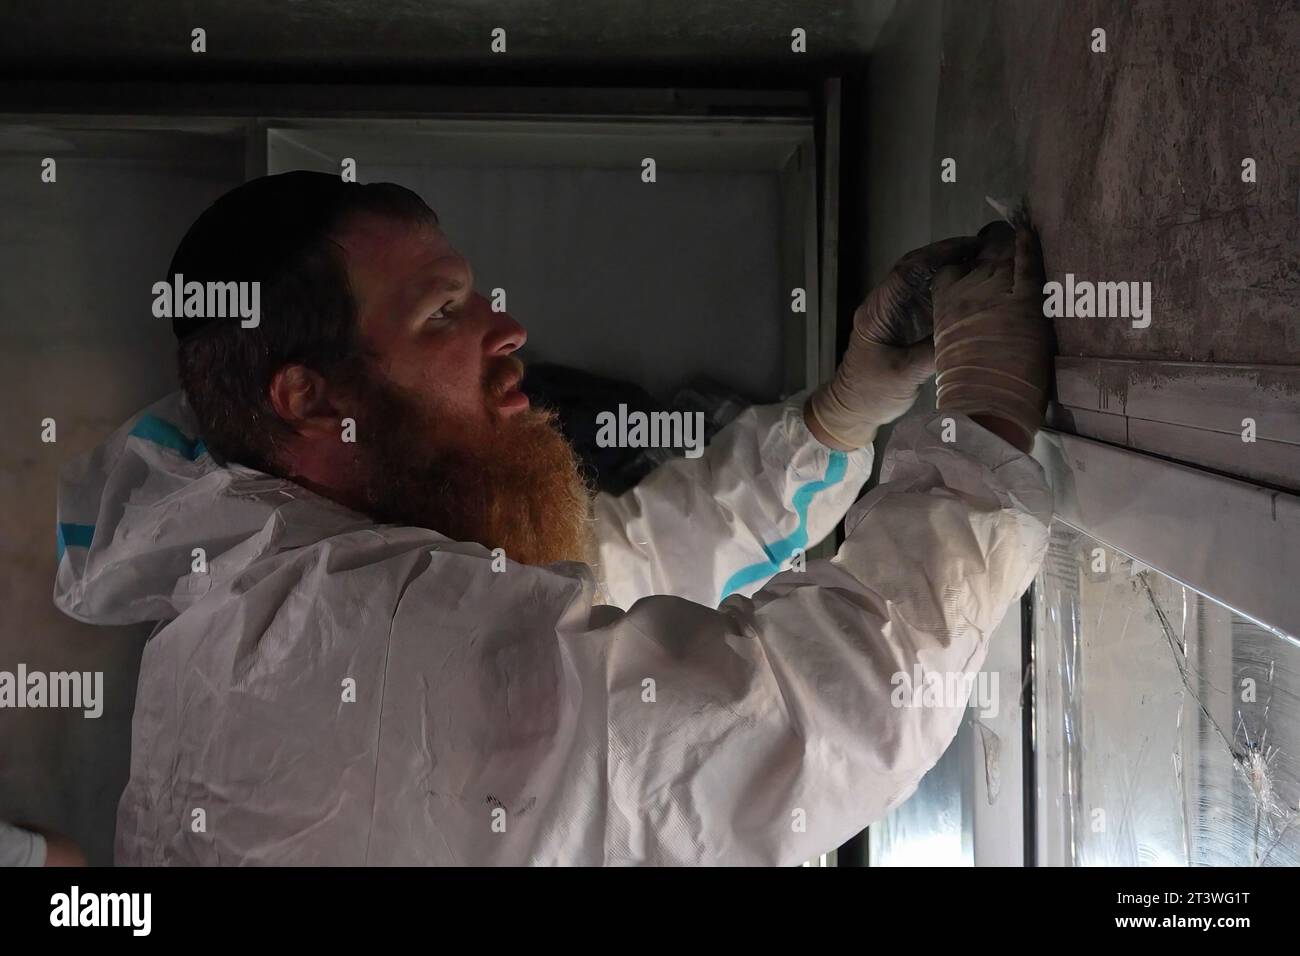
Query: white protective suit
column 329, row 691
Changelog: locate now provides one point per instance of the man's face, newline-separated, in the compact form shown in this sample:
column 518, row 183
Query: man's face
column 445, row 438
column 435, row 336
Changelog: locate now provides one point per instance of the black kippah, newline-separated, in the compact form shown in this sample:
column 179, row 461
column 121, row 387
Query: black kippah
column 252, row 231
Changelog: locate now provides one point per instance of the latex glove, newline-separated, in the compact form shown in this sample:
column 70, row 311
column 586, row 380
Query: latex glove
column 874, row 384
column 889, row 355
column 899, row 311
column 993, row 344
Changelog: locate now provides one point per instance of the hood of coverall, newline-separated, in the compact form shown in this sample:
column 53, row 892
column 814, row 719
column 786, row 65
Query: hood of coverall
column 149, row 522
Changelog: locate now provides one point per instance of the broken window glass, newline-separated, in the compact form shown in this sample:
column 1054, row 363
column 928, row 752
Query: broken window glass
column 1167, row 726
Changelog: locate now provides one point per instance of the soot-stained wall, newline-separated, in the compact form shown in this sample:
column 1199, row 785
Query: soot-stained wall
column 1131, row 158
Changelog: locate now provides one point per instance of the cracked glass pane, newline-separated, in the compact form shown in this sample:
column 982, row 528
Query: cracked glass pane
column 1167, row 729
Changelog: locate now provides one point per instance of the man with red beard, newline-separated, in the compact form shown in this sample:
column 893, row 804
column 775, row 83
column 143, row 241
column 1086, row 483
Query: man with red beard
column 395, row 627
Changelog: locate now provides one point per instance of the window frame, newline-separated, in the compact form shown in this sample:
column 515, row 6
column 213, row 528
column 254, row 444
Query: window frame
column 1227, row 538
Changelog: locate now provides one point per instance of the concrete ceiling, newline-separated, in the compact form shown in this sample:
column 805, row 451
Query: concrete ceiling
column 137, row 37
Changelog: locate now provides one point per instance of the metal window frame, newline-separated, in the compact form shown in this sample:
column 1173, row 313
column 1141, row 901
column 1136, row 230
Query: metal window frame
column 1229, row 539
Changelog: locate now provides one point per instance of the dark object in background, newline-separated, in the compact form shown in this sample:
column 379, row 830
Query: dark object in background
column 578, row 397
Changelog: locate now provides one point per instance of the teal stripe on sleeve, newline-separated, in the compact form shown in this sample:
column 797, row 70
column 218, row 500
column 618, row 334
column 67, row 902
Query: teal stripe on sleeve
column 72, row 536
column 154, row 429
column 779, row 551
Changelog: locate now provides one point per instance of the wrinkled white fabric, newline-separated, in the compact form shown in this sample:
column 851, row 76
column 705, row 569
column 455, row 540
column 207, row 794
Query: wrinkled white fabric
column 506, row 718
column 707, row 528
column 20, row 847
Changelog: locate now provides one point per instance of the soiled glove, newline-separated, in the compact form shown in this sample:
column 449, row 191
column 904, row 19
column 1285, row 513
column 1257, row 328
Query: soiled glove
column 899, row 311
column 992, row 342
column 889, row 355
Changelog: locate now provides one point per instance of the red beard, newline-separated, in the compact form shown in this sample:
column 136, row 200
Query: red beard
column 513, row 484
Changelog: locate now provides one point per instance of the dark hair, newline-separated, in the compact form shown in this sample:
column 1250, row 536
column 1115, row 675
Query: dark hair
column 308, row 317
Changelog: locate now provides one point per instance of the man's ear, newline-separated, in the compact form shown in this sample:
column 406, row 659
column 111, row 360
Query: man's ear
column 300, row 396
